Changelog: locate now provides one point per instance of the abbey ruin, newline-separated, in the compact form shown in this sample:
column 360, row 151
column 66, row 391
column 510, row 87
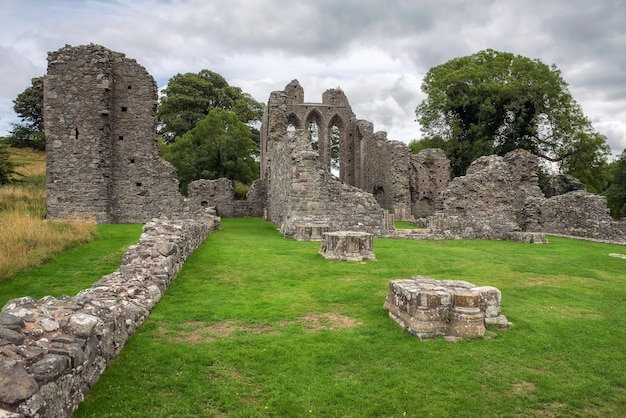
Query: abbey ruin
column 103, row 165
column 322, row 168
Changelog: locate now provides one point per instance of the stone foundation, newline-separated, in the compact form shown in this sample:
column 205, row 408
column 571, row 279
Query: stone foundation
column 347, row 245
column 52, row 351
column 427, row 307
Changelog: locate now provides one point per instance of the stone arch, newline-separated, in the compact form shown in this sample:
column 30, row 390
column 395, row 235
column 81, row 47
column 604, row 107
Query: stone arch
column 293, row 122
column 314, row 127
column 336, row 142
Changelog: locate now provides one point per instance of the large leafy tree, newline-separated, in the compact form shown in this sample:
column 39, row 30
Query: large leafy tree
column 29, row 107
column 188, row 98
column 616, row 192
column 218, row 146
column 494, row 102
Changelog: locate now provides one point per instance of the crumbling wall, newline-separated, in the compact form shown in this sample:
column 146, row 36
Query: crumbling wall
column 488, row 201
column 101, row 145
column 54, row 350
column 301, row 192
column 429, row 176
column 367, row 160
column 386, row 171
column 500, row 195
column 221, row 195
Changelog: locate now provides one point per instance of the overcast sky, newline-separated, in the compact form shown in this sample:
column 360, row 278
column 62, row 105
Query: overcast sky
column 377, row 51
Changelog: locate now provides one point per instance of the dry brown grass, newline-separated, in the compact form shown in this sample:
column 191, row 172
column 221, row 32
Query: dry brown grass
column 27, row 240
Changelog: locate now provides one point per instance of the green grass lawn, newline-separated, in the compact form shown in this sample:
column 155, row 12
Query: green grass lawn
column 260, row 325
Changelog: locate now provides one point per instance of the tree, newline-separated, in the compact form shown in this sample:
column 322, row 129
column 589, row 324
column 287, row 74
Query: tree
column 494, row 102
column 188, row 98
column 616, row 192
column 7, row 167
column 29, row 107
column 218, row 146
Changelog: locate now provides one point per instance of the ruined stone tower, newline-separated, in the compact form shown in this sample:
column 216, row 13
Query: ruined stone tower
column 101, row 147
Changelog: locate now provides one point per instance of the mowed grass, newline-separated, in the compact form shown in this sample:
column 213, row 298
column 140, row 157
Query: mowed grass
column 259, row 325
column 26, row 239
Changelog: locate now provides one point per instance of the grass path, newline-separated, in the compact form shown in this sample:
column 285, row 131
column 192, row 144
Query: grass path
column 260, row 325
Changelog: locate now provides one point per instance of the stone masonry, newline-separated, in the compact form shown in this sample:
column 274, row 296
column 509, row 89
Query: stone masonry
column 427, row 307
column 499, row 197
column 101, row 145
column 52, row 351
column 220, row 194
column 302, row 194
column 367, row 159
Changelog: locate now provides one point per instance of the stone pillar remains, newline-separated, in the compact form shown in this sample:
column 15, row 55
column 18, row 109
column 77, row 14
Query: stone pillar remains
column 427, row 307
column 347, row 245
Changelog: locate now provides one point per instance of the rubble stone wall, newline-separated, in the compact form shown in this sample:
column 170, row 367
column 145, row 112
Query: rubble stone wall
column 221, row 195
column 52, row 351
column 429, row 176
column 301, row 192
column 101, row 145
column 367, row 159
column 500, row 195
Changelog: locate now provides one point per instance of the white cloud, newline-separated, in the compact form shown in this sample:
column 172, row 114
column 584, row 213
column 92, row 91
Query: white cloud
column 376, row 51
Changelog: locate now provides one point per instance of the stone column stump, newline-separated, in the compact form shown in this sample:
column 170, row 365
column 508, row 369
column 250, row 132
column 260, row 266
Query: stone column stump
column 347, row 245
column 310, row 232
column 466, row 318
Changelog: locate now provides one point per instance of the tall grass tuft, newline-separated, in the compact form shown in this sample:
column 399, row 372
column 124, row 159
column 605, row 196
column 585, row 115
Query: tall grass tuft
column 28, row 241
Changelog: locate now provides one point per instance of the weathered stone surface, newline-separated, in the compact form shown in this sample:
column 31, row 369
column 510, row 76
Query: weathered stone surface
column 14, row 337
column 101, row 154
column 15, row 382
column 500, row 198
column 427, row 307
column 367, row 159
column 347, row 245
column 561, row 184
column 11, row 321
column 51, row 366
column 82, row 325
column 221, row 195
column 431, row 175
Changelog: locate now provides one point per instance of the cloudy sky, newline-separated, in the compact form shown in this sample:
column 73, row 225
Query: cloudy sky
column 377, row 51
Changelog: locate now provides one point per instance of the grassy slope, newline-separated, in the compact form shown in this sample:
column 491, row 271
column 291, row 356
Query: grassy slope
column 260, row 325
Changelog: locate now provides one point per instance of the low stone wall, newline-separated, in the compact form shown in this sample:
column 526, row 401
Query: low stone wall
column 52, row 350
column 220, row 194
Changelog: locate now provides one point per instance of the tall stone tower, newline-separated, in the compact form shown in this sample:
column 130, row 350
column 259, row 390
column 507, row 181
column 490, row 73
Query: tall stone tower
column 101, row 146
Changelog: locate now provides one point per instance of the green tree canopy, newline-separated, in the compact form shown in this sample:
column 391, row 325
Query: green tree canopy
column 616, row 192
column 188, row 98
column 29, row 107
column 494, row 102
column 218, row 146
column 7, row 167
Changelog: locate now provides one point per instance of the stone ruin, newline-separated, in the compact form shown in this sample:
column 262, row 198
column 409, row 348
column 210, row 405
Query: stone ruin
column 103, row 163
column 101, row 143
column 405, row 185
column 499, row 197
column 453, row 308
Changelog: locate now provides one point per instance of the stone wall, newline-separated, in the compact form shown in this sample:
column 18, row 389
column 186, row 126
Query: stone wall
column 500, row 195
column 101, row 145
column 53, row 350
column 221, row 195
column 367, row 160
column 430, row 175
column 302, row 193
